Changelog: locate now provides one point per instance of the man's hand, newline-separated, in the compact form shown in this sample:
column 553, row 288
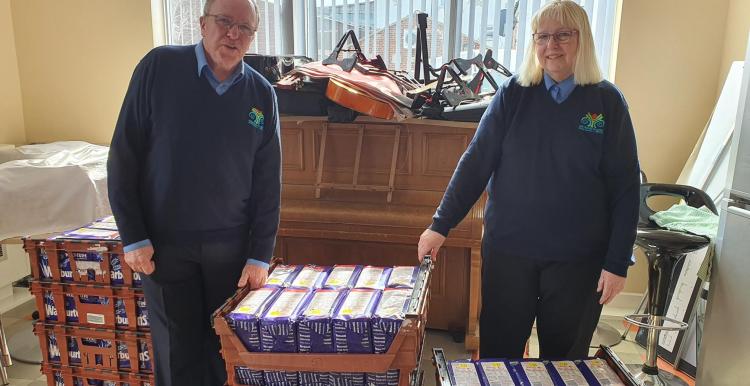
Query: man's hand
column 610, row 285
column 253, row 275
column 141, row 260
column 429, row 244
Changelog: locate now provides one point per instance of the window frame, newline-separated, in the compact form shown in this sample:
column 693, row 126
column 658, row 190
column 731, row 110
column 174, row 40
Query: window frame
column 464, row 17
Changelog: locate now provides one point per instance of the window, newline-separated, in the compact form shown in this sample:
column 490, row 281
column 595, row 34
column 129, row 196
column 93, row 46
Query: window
column 485, row 24
column 181, row 18
column 410, row 39
column 388, row 27
column 182, row 21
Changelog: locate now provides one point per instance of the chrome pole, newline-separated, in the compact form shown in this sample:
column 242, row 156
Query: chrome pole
column 5, row 360
column 651, row 348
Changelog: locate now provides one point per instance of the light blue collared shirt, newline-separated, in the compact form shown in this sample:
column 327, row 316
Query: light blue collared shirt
column 562, row 90
column 220, row 87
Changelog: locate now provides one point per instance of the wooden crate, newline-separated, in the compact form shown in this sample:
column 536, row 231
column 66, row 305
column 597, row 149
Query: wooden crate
column 90, row 315
column 82, row 272
column 403, row 355
column 75, row 376
column 442, row 377
column 107, row 356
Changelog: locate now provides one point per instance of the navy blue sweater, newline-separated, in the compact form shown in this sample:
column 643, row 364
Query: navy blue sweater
column 563, row 178
column 187, row 164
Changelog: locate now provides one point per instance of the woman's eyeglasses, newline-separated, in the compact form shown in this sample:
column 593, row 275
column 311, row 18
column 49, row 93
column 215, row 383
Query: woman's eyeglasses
column 542, row 38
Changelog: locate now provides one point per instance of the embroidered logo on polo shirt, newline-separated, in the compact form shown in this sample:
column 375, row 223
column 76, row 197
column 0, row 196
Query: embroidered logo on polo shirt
column 256, row 118
column 593, row 123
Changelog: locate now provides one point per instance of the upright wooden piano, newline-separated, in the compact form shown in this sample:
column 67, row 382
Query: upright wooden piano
column 363, row 192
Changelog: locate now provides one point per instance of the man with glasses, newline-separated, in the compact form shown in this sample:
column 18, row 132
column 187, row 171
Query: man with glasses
column 194, row 184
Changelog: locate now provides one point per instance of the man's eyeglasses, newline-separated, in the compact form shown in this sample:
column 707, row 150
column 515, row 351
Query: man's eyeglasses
column 541, row 38
column 227, row 23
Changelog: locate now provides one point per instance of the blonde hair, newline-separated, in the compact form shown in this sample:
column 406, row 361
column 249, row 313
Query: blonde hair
column 568, row 13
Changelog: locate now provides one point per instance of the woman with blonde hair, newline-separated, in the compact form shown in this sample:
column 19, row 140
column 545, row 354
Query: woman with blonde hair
column 556, row 152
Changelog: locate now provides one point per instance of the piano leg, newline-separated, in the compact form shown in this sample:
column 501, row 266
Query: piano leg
column 475, row 289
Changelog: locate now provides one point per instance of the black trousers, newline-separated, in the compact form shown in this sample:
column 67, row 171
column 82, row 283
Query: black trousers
column 561, row 296
column 191, row 280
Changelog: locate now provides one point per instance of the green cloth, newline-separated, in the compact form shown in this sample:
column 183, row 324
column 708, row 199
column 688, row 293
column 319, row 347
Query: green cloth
column 681, row 217
column 699, row 221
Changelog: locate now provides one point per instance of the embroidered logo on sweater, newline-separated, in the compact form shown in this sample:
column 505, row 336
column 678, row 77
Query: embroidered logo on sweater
column 593, row 123
column 256, row 118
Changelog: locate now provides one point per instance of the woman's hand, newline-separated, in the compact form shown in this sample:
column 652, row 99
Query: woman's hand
column 610, row 285
column 429, row 244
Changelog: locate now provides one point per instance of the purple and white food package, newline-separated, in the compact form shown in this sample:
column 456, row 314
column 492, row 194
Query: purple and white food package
column 495, row 372
column 141, row 312
column 90, row 234
column 352, row 332
column 71, row 311
column 315, row 327
column 50, row 310
column 66, row 272
column 244, row 318
column 388, row 317
column 600, row 372
column 566, row 373
column 283, row 275
column 373, row 277
column 83, row 381
column 53, row 350
column 347, row 379
column 92, row 318
column 121, row 314
column 389, row 378
column 463, row 372
column 281, row 378
column 88, row 264
column 107, row 223
column 307, row 378
column 531, row 373
column 122, row 359
column 115, row 270
column 403, row 277
column 59, row 380
column 109, row 219
column 45, row 271
column 310, row 277
column 123, row 356
column 246, row 376
column 144, row 356
column 74, row 353
column 342, row 277
column 278, row 325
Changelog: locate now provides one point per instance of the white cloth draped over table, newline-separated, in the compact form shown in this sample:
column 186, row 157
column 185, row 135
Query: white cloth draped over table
column 51, row 187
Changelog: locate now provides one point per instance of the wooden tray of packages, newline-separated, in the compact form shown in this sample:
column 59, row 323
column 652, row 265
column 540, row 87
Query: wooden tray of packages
column 404, row 353
column 443, row 379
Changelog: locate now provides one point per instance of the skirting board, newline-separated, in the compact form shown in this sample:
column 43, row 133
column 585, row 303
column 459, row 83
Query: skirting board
column 625, row 303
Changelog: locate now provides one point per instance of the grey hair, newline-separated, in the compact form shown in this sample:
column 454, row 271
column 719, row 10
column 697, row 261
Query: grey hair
column 207, row 6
